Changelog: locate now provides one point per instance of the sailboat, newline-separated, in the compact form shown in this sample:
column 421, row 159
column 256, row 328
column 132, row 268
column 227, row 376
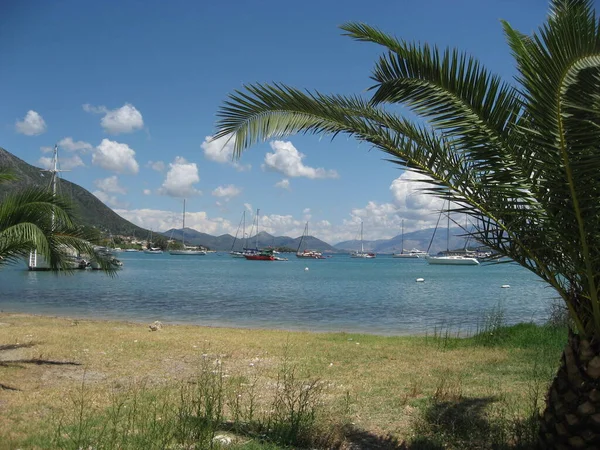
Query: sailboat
column 362, row 253
column 312, row 254
column 192, row 251
column 451, row 258
column 36, row 261
column 152, row 250
column 255, row 254
column 414, row 253
column 238, row 253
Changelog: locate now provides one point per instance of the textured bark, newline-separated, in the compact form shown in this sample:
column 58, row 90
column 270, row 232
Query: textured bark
column 572, row 416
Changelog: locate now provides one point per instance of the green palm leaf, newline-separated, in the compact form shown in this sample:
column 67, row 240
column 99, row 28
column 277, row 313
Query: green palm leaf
column 522, row 160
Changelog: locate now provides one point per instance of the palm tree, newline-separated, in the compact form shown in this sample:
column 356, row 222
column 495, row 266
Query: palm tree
column 522, row 159
column 38, row 219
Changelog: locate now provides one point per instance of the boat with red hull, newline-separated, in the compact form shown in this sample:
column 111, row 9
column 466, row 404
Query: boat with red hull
column 263, row 255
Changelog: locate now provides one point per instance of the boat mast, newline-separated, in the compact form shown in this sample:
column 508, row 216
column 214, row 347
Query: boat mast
column 183, row 230
column 402, row 241
column 302, row 238
column 257, row 212
column 448, row 230
column 362, row 247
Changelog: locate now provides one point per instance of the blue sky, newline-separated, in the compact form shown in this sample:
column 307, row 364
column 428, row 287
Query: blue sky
column 129, row 89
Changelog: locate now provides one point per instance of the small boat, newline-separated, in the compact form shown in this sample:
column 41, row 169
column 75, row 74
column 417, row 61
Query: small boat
column 95, row 265
column 263, row 255
column 452, row 258
column 190, row 251
column 310, row 254
column 150, row 249
column 253, row 254
column 414, row 253
column 239, row 253
column 362, row 253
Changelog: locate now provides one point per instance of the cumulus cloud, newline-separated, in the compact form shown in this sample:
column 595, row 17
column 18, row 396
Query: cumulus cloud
column 65, row 163
column 181, row 177
column 72, row 146
column 226, row 192
column 410, row 198
column 147, row 192
column 31, row 125
column 165, row 220
column 115, row 156
column 159, row 166
column 286, row 159
column 221, row 151
column 283, row 184
column 110, row 185
column 125, row 119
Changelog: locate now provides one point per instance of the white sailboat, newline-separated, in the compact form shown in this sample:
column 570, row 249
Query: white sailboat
column 36, row 261
column 311, row 254
column 362, row 253
column 451, row 258
column 239, row 253
column 152, row 250
column 414, row 253
column 192, row 251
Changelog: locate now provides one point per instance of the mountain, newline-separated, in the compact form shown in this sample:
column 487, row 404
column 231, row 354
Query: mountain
column 417, row 239
column 225, row 241
column 89, row 210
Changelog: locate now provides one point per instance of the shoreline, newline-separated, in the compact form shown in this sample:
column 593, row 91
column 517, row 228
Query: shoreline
column 451, row 328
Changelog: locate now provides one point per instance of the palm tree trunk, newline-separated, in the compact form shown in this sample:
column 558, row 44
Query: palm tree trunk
column 572, row 416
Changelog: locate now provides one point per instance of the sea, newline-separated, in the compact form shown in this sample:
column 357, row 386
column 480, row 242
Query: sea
column 339, row 294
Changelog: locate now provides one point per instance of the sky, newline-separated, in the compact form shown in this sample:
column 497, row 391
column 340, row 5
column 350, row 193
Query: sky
column 129, row 90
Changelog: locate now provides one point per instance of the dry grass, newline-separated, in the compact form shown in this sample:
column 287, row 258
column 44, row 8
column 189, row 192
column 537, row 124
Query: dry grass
column 375, row 383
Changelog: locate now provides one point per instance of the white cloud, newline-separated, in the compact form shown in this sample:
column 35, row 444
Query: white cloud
column 159, row 166
column 226, row 192
column 409, row 197
column 110, row 200
column 94, row 109
column 73, row 146
column 221, row 151
column 283, row 184
column 125, row 119
column 147, row 192
column 110, row 185
column 164, row 220
column 286, row 159
column 115, row 156
column 31, row 125
column 65, row 163
column 181, row 177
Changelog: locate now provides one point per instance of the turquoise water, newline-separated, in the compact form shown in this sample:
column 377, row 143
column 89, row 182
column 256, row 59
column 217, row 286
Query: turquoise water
column 378, row 296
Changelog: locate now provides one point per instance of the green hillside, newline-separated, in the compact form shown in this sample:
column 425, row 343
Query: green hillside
column 90, row 211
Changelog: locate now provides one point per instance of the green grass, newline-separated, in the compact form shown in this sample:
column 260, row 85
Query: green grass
column 263, row 389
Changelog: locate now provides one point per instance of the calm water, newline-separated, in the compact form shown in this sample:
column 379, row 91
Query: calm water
column 377, row 296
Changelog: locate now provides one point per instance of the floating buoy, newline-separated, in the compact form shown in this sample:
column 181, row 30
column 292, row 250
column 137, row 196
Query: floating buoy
column 306, row 269
column 420, row 280
column 505, row 286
